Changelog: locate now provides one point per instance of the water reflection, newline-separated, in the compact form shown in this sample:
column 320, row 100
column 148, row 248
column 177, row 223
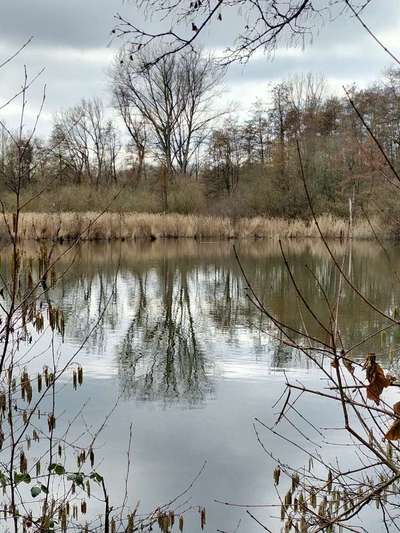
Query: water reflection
column 174, row 314
column 161, row 355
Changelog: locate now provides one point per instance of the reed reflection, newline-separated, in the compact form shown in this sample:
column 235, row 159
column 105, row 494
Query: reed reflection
column 171, row 311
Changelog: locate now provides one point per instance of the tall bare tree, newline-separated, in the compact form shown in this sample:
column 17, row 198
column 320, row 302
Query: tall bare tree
column 137, row 129
column 174, row 99
column 86, row 143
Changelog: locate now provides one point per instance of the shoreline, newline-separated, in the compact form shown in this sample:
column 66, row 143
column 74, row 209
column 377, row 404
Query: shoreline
column 92, row 226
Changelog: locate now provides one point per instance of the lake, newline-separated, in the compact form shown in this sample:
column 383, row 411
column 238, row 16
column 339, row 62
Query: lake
column 176, row 349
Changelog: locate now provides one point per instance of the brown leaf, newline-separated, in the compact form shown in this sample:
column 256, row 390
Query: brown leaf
column 376, row 378
column 394, row 431
column 347, row 362
column 396, row 408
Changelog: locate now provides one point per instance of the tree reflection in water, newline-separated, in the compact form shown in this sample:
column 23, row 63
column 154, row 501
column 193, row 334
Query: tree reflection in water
column 179, row 308
column 160, row 356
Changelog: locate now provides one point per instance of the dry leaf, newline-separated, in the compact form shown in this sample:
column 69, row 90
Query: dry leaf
column 376, row 378
column 347, row 362
column 396, row 408
column 394, row 431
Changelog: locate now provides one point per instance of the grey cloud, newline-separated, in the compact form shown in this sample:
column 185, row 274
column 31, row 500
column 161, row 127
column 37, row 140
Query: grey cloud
column 71, row 43
column 53, row 22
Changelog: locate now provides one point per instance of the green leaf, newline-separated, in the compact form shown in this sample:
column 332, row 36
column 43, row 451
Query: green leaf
column 76, row 477
column 96, row 477
column 18, row 478
column 35, row 491
column 44, row 489
column 3, row 479
column 57, row 469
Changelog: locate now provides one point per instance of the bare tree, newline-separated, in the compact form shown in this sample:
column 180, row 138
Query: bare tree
column 16, row 162
column 257, row 131
column 87, row 144
column 174, row 99
column 137, row 130
column 225, row 154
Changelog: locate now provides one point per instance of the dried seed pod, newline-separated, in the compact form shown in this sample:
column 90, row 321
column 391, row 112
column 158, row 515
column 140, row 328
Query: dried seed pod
column 302, row 505
column 288, row 498
column 277, row 475
column 3, row 402
column 46, row 375
column 313, row 498
column 329, row 483
column 23, row 462
column 80, row 375
column 288, row 525
column 322, row 508
column 295, row 505
column 130, row 525
column 389, row 451
column 63, row 521
column 62, row 325
column 51, row 421
column 166, row 523
column 203, row 518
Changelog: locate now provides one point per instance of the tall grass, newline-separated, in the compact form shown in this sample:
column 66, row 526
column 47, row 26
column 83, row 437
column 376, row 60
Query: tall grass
column 129, row 226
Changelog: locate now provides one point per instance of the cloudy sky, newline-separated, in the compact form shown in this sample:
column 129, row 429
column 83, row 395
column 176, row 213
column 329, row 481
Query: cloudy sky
column 71, row 40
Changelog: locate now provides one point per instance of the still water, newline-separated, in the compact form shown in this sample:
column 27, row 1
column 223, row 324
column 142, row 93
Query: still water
column 176, row 349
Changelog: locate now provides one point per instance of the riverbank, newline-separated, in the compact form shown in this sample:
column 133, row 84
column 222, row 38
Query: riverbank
column 91, row 226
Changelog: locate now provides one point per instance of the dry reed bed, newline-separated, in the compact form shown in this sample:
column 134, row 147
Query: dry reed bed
column 129, row 226
column 104, row 254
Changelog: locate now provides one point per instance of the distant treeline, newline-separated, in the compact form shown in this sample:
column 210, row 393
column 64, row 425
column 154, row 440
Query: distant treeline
column 187, row 155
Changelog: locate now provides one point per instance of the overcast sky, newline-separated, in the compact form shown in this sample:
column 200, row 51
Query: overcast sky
column 71, row 41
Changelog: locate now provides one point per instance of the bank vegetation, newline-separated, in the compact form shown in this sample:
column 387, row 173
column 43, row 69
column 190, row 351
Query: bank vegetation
column 165, row 146
column 68, row 226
